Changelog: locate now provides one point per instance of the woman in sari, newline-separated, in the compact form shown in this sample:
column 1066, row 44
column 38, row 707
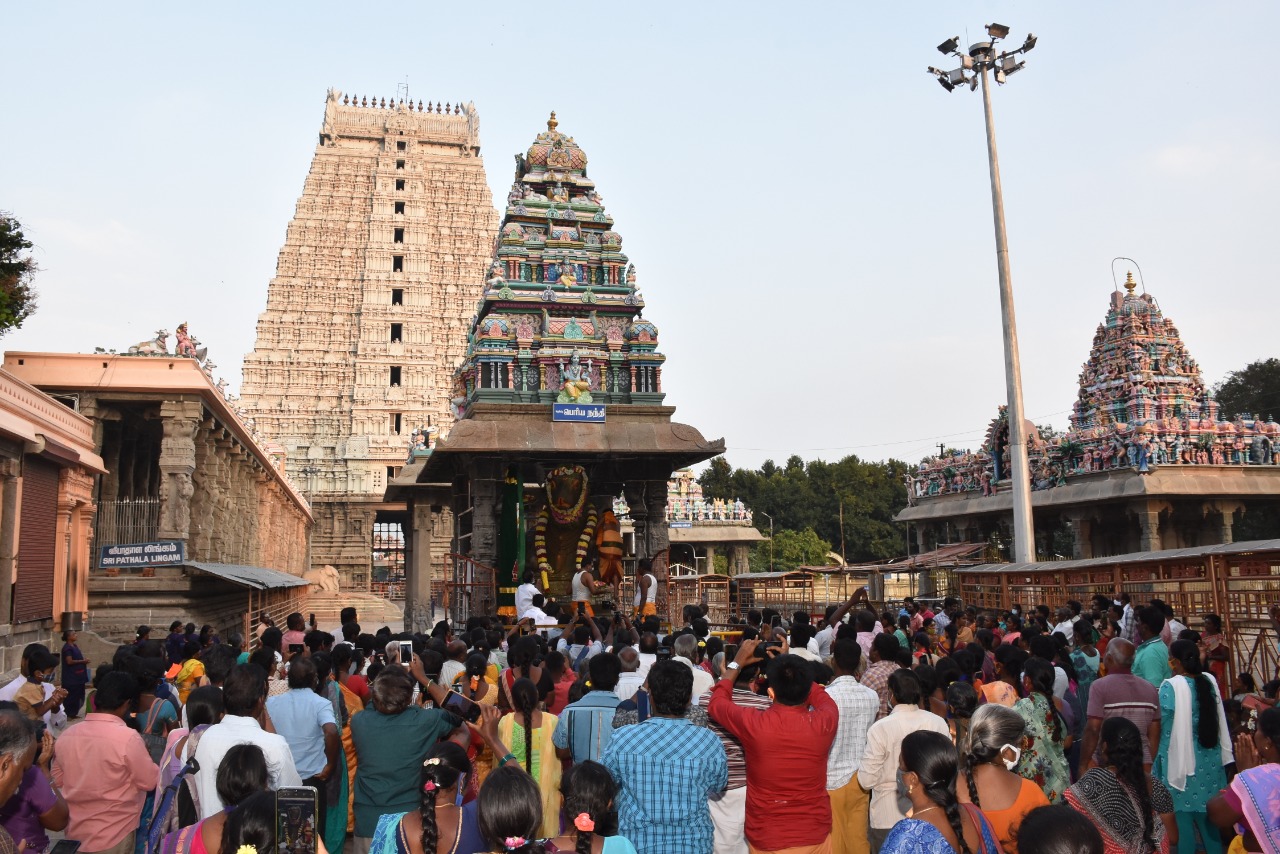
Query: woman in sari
column 989, row 753
column 1044, row 760
column 474, row 684
column 520, row 659
column 529, row 731
column 1121, row 800
column 939, row 824
column 191, row 672
column 1251, row 804
column 342, row 658
column 338, row 789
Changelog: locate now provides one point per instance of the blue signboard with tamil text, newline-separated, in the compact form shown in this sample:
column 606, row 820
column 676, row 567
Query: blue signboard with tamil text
column 578, row 412
column 142, row 555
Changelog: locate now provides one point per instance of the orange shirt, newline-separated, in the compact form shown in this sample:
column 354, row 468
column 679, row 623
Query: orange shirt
column 1004, row 823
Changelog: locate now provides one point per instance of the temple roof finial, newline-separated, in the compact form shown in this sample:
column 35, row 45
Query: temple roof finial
column 1129, row 283
column 551, row 122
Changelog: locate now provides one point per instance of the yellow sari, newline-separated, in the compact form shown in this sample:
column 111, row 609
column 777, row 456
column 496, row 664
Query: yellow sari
column 545, row 767
column 188, row 677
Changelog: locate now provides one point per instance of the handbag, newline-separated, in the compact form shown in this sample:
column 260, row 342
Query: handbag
column 155, row 743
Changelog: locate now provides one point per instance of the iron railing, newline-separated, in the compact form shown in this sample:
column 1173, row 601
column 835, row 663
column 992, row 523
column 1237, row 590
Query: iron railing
column 126, row 520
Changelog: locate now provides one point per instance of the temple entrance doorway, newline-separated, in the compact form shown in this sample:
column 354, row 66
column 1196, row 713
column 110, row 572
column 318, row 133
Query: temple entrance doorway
column 388, row 554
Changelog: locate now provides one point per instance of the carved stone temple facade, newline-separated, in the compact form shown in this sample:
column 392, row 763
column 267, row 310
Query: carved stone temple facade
column 367, row 315
column 180, row 465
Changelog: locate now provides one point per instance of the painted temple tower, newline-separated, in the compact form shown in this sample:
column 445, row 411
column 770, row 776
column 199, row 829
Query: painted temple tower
column 559, row 412
column 560, row 318
column 1142, row 411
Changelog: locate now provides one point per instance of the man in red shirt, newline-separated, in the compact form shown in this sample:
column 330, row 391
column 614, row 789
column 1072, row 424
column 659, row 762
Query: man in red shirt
column 785, row 747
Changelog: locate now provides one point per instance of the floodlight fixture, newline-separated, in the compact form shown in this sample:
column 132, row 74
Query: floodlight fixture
column 984, row 58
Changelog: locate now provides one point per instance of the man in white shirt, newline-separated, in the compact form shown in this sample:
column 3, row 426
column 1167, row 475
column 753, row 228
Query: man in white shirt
column 827, row 636
column 534, row 612
column 630, row 681
column 524, row 595
column 879, row 770
column 647, row 652
column 9, row 691
column 683, row 650
column 455, row 662
column 244, row 694
column 858, row 707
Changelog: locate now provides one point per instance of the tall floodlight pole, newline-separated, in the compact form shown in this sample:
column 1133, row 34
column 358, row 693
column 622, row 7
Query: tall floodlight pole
column 982, row 60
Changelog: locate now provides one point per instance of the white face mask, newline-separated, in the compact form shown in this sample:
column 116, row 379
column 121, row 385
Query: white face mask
column 1017, row 754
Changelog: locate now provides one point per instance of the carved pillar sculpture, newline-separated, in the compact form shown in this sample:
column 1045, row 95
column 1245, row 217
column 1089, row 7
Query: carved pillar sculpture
column 711, row 558
column 179, row 420
column 1148, row 514
column 1227, row 511
column 418, row 611
column 1081, row 535
column 657, row 537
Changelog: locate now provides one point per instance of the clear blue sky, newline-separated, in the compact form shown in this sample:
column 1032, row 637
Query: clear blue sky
column 807, row 210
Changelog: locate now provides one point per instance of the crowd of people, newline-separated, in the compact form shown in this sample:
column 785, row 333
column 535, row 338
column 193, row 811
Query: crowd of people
column 1105, row 727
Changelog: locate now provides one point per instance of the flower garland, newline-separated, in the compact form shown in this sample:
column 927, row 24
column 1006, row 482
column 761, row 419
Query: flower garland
column 540, row 538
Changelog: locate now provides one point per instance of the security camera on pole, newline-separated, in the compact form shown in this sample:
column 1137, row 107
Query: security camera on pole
column 982, row 58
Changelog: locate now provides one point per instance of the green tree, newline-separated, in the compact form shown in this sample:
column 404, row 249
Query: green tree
column 17, row 269
column 811, row 495
column 791, row 549
column 1254, row 389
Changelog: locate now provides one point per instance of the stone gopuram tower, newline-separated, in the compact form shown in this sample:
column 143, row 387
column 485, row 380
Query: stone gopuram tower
column 368, row 312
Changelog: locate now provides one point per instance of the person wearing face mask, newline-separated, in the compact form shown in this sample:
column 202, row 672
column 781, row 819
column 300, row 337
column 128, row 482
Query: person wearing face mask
column 879, row 770
column 989, row 754
column 31, row 698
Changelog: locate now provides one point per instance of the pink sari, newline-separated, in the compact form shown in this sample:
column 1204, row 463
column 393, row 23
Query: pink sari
column 1259, row 792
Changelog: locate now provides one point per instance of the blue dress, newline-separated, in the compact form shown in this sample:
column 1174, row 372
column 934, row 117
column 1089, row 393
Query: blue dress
column 913, row 836
column 1210, row 778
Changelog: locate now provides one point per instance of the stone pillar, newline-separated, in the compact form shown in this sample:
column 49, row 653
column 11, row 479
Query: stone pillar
column 179, row 420
column 1081, row 535
column 711, row 557
column 657, row 538
column 418, row 611
column 738, row 561
column 9, row 468
column 1148, row 514
column 1227, row 511
column 486, row 483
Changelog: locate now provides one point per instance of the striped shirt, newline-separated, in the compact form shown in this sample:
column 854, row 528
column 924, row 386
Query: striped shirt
column 858, row 706
column 1123, row 695
column 877, row 679
column 732, row 747
column 587, row 725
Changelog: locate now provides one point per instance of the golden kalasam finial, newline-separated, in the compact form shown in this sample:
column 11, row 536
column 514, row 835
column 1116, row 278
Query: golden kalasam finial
column 551, row 122
column 1129, row 283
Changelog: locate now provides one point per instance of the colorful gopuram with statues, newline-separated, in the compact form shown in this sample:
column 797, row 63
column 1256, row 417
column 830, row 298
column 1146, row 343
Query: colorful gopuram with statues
column 1147, row 463
column 560, row 317
column 558, row 404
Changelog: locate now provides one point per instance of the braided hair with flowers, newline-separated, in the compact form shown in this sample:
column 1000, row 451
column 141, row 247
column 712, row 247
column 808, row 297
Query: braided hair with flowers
column 446, row 766
column 588, row 791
